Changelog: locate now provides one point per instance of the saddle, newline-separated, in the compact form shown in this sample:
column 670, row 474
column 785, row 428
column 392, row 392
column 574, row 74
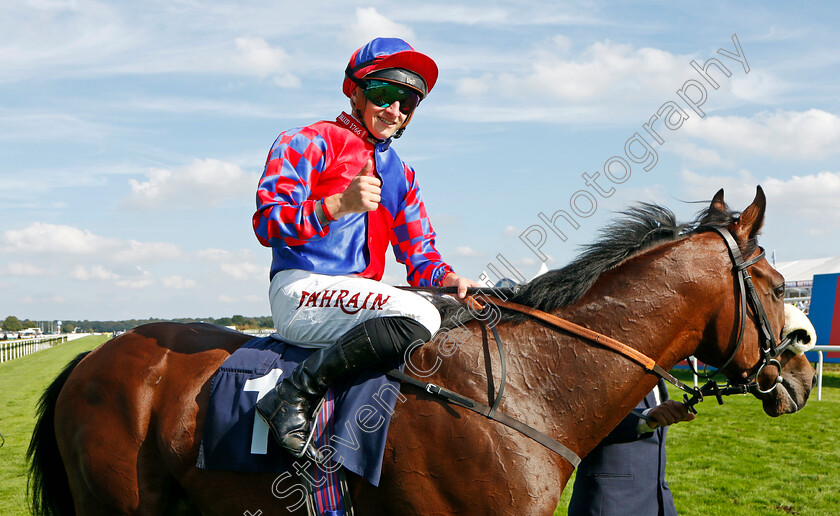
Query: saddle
column 353, row 420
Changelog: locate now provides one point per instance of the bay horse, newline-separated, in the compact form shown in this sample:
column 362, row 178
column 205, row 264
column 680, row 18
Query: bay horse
column 119, row 429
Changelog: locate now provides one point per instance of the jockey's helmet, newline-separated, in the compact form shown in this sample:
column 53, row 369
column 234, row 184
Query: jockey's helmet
column 390, row 60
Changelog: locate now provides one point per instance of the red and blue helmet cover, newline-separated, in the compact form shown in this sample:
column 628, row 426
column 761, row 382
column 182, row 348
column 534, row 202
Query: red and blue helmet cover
column 382, row 53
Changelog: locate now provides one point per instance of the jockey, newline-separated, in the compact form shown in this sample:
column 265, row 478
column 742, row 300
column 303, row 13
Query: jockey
column 332, row 196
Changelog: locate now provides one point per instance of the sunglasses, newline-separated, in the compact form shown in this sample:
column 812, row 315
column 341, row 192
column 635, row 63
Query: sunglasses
column 383, row 94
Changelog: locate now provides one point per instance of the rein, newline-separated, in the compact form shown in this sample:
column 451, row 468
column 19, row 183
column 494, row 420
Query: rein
column 770, row 351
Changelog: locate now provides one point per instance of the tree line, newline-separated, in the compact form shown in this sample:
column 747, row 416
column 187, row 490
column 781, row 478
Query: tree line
column 12, row 323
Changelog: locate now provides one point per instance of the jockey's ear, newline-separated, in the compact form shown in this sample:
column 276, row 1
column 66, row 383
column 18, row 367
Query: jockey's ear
column 752, row 218
column 357, row 103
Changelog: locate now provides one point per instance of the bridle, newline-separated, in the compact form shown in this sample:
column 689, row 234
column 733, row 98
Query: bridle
column 770, row 350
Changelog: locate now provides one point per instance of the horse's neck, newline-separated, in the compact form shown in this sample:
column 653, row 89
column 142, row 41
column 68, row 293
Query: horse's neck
column 657, row 305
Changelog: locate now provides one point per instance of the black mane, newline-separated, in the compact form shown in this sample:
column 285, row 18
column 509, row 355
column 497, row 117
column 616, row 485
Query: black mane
column 638, row 228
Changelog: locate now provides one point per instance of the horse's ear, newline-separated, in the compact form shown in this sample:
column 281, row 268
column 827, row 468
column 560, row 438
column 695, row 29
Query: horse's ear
column 717, row 202
column 752, row 218
column 717, row 209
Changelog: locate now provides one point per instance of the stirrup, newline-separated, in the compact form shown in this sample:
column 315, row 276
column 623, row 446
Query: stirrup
column 309, row 448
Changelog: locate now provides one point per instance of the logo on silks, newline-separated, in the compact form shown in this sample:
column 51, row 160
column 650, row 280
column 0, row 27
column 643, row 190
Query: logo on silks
column 329, row 298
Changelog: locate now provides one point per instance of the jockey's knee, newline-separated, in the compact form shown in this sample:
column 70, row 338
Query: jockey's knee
column 393, row 335
column 427, row 315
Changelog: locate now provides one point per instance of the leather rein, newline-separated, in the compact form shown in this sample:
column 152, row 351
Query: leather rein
column 747, row 295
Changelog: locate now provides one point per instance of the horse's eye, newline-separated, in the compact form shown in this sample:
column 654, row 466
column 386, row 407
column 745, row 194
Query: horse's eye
column 779, row 291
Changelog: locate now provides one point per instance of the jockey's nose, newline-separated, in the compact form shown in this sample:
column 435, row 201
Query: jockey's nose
column 394, row 109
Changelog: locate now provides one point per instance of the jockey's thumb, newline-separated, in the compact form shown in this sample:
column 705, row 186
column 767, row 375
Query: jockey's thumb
column 366, row 170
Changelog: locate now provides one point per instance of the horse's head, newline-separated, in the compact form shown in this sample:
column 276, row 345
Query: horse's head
column 756, row 336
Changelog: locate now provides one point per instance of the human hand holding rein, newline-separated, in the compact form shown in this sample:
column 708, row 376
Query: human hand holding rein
column 668, row 413
column 462, row 284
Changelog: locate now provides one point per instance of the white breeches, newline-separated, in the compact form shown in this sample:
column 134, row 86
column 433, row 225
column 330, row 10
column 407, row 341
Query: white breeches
column 313, row 310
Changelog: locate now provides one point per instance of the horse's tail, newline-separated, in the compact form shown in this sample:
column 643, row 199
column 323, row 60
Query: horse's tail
column 47, row 483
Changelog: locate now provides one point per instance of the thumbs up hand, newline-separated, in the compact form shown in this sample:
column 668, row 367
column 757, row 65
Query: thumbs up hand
column 367, row 170
column 361, row 195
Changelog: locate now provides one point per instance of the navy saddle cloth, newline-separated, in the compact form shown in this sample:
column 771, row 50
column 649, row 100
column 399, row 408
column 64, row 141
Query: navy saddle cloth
column 354, row 421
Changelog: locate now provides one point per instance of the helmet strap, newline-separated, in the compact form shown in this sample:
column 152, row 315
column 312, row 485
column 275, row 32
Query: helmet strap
column 402, row 128
column 359, row 99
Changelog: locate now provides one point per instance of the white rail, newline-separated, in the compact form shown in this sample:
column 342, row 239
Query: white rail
column 820, row 350
column 12, row 349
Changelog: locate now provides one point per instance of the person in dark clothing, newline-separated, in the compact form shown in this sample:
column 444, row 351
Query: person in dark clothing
column 625, row 474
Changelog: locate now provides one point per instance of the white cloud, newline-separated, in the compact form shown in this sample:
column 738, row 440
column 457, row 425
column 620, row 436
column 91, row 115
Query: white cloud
column 521, row 14
column 239, row 265
column 458, row 14
column 178, row 283
column 90, row 38
column 759, row 86
column 94, row 272
column 142, row 280
column 134, row 251
column 606, row 81
column 562, row 43
column 54, row 239
column 67, row 244
column 214, row 255
column 371, row 24
column 55, row 299
column 51, row 37
column 26, row 269
column 740, row 185
column 697, row 156
column 259, row 58
column 603, row 70
column 812, row 197
column 201, row 184
column 811, row 134
column 244, row 271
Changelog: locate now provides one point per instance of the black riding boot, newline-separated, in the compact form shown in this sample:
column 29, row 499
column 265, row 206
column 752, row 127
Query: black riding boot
column 288, row 407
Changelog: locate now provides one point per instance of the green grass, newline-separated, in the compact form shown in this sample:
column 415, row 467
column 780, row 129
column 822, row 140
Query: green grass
column 732, row 460
column 735, row 460
column 21, row 383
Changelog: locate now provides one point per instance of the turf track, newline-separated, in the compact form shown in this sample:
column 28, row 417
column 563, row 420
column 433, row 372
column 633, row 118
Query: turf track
column 732, row 460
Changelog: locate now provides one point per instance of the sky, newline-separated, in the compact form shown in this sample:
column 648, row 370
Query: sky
column 133, row 134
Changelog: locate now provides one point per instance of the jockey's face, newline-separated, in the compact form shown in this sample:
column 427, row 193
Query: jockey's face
column 382, row 122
